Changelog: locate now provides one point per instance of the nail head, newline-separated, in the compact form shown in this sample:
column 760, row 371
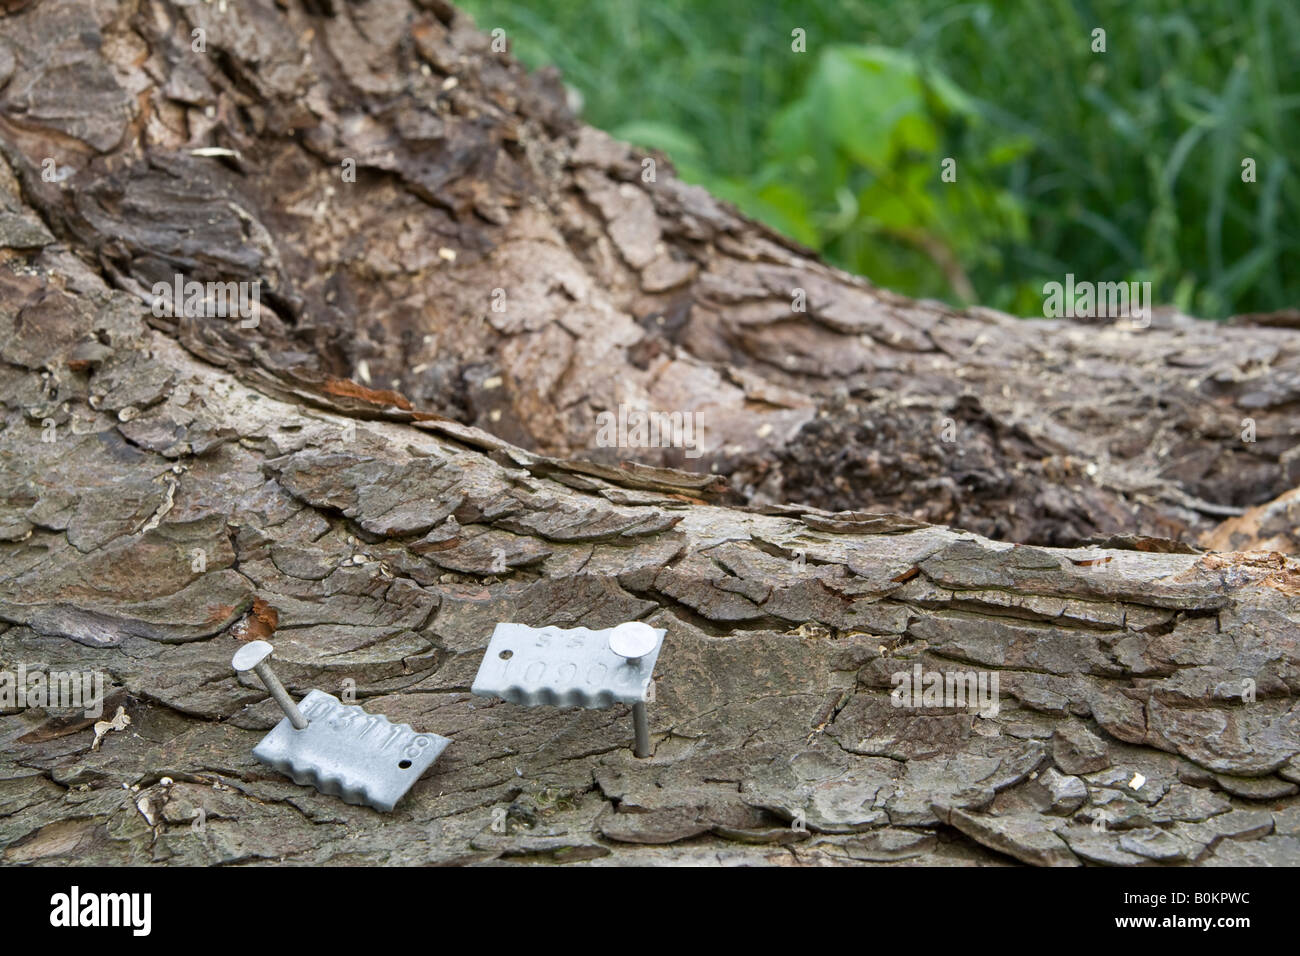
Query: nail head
column 250, row 655
column 633, row 640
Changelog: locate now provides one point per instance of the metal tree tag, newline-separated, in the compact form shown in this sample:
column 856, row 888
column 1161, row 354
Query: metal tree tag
column 575, row 667
column 339, row 748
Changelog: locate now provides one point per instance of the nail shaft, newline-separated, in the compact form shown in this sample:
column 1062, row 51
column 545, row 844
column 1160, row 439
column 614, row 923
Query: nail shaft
column 632, row 641
column 281, row 695
column 641, row 727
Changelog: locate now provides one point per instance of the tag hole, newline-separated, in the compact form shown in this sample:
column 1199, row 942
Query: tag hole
column 506, row 655
column 404, row 764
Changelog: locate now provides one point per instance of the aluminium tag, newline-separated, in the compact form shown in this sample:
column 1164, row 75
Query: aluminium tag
column 574, row 667
column 344, row 751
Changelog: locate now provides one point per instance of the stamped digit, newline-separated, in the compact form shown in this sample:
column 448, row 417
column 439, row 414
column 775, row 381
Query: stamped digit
column 418, row 744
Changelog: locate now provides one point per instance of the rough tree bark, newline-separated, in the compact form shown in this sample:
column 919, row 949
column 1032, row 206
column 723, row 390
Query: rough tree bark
column 355, row 471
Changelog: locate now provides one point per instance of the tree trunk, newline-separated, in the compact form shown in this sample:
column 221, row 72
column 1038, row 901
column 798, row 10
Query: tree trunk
column 401, row 447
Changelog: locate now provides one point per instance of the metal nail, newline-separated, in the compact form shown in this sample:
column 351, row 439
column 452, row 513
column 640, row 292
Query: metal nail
column 254, row 656
column 641, row 730
column 632, row 641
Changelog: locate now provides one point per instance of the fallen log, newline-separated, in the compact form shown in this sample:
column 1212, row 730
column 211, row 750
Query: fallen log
column 380, row 467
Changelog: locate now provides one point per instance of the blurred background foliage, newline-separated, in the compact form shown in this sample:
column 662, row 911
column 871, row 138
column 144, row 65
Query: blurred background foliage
column 1123, row 165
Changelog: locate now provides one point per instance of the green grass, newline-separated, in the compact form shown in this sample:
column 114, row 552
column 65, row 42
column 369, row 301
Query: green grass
column 1123, row 165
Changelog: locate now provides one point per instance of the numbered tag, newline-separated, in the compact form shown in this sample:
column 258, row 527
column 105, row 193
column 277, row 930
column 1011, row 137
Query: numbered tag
column 572, row 667
column 361, row 757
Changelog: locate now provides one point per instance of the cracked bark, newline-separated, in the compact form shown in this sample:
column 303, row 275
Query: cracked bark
column 356, row 470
